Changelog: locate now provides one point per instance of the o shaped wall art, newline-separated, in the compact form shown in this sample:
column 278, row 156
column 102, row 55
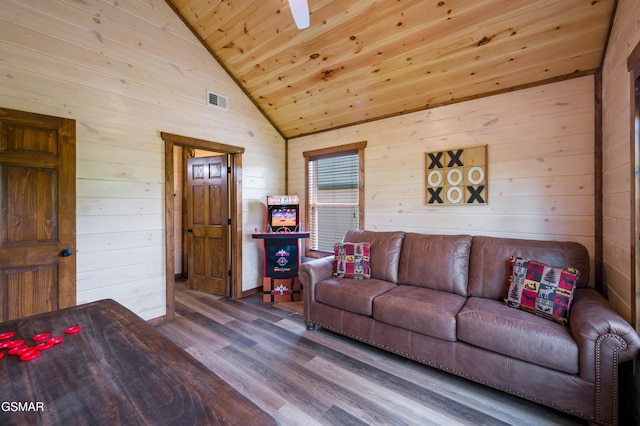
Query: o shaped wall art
column 457, row 176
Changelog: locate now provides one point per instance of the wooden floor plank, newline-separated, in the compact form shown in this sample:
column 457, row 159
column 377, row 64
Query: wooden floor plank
column 241, row 379
column 351, row 367
column 304, row 377
column 283, row 380
column 192, row 301
column 355, row 367
column 291, row 415
column 413, row 402
column 504, row 407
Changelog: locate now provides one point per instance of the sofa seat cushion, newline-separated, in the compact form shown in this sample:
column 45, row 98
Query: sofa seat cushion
column 490, row 324
column 351, row 295
column 419, row 309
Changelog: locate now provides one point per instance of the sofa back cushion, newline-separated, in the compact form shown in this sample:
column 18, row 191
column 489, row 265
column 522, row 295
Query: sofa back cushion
column 437, row 262
column 489, row 261
column 384, row 254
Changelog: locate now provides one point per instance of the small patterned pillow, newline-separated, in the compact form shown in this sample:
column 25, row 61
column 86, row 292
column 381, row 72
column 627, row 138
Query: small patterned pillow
column 351, row 260
column 541, row 289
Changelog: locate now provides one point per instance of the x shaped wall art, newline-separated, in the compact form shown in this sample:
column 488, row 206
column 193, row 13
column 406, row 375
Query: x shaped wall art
column 457, row 176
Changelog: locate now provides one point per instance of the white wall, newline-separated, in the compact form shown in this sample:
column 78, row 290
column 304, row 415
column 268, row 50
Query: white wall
column 541, row 168
column 616, row 159
column 126, row 71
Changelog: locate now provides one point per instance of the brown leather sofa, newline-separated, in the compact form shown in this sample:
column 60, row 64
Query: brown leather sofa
column 439, row 300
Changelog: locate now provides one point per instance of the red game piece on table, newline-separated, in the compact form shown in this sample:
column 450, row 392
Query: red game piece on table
column 56, row 340
column 73, row 330
column 20, row 350
column 25, row 351
column 13, row 343
column 40, row 337
column 29, row 356
column 6, row 335
column 44, row 346
column 15, row 349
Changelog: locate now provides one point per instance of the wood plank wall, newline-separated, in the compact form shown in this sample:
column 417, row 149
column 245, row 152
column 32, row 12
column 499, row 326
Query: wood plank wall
column 616, row 160
column 127, row 71
column 541, row 164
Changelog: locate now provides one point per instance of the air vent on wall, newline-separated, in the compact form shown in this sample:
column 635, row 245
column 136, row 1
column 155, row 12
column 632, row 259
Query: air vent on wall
column 218, row 101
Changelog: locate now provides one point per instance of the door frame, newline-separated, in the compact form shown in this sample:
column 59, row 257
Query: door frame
column 633, row 66
column 235, row 211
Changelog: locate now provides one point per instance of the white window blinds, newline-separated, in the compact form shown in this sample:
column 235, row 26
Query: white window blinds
column 333, row 199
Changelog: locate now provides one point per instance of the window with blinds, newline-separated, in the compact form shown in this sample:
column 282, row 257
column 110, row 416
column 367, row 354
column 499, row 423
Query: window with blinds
column 333, row 199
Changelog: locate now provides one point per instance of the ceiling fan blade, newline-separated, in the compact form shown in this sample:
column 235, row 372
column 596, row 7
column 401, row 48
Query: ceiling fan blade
column 300, row 12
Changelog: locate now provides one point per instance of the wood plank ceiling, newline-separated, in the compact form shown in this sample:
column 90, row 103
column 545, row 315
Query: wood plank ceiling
column 362, row 60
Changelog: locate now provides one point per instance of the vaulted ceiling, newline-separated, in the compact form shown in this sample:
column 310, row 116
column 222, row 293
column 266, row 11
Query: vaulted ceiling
column 363, row 60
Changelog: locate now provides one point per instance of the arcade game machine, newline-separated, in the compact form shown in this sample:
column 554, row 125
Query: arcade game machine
column 282, row 249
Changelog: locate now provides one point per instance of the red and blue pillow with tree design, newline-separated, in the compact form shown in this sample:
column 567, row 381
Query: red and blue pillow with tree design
column 541, row 289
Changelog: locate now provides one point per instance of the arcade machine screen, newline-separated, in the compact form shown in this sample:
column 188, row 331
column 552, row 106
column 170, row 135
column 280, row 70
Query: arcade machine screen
column 283, row 213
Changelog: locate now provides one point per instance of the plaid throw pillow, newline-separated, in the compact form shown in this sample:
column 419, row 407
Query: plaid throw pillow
column 541, row 289
column 351, row 260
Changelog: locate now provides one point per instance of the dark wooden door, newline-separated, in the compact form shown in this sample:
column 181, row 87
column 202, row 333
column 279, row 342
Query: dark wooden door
column 37, row 214
column 207, row 224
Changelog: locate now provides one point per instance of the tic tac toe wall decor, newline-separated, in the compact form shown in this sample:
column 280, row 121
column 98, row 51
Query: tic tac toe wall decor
column 457, row 176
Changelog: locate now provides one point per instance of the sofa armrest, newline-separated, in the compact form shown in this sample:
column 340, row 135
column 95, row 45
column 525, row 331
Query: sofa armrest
column 310, row 273
column 605, row 340
column 592, row 319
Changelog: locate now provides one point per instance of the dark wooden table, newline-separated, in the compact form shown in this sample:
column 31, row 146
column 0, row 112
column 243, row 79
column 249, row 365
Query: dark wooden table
column 118, row 370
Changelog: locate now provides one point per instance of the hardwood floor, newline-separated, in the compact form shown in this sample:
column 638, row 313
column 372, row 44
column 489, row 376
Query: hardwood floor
column 318, row 377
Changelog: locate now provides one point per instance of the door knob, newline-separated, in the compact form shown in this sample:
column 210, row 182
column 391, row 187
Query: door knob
column 189, row 230
column 66, row 252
